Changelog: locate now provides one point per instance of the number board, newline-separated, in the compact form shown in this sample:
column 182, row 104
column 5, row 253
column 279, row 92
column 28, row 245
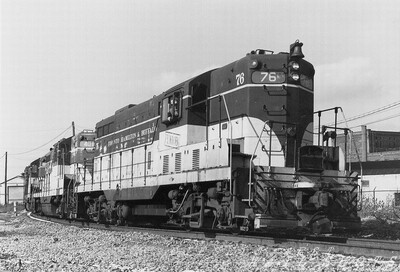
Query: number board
column 268, row 77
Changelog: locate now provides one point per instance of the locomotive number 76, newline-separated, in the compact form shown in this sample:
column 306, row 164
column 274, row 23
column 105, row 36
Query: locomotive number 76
column 271, row 76
column 262, row 77
column 239, row 79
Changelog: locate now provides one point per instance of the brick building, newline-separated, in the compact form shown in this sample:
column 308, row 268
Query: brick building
column 375, row 155
column 370, row 145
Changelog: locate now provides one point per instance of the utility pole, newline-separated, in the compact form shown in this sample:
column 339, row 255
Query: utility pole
column 5, row 181
column 73, row 128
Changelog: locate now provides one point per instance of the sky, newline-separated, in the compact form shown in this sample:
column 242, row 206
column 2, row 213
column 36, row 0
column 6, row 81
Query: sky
column 79, row 61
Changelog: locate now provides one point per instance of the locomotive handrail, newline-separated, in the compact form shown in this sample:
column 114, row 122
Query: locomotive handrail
column 230, row 145
column 269, row 151
column 346, row 130
column 305, row 174
column 252, row 156
column 145, row 151
column 270, row 134
column 252, row 126
column 206, row 102
column 319, row 120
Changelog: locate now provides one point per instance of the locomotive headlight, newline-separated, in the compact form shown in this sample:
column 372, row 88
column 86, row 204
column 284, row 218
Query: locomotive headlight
column 295, row 66
column 253, row 64
column 295, row 76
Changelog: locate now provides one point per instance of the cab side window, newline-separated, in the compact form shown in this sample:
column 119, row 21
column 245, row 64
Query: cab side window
column 171, row 108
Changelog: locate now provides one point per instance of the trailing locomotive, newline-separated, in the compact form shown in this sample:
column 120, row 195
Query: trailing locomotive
column 230, row 148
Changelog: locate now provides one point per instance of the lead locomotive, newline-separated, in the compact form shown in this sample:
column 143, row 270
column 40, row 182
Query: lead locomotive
column 230, row 148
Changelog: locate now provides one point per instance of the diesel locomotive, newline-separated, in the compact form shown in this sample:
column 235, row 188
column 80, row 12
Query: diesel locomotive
column 232, row 148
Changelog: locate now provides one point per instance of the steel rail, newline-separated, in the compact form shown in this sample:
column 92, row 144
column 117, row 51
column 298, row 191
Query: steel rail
column 331, row 244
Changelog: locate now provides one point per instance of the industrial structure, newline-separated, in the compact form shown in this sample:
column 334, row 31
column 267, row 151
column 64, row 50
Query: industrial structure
column 12, row 190
column 376, row 156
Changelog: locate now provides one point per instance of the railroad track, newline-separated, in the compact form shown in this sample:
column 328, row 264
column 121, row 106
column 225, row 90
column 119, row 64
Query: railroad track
column 331, row 244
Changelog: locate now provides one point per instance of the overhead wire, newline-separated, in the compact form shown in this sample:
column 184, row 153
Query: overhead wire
column 380, row 120
column 25, row 152
column 379, row 110
column 82, row 128
column 375, row 111
column 33, row 130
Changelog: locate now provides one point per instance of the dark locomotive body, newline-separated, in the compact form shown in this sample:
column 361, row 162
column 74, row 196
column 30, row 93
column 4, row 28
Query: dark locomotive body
column 230, row 148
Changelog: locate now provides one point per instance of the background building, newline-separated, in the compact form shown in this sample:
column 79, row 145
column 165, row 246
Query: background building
column 14, row 190
column 370, row 145
column 376, row 156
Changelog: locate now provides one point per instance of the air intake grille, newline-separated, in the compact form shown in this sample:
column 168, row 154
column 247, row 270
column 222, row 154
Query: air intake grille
column 196, row 159
column 165, row 164
column 178, row 162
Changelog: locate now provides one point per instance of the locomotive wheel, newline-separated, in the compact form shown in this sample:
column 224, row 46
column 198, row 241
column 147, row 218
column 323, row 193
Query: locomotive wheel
column 235, row 227
column 187, row 225
column 235, row 230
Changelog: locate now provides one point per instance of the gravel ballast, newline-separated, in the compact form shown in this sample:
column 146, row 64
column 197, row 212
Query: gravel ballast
column 28, row 245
